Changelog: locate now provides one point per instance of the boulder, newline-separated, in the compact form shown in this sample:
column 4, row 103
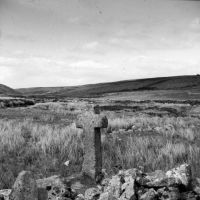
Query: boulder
column 107, row 196
column 92, row 194
column 174, row 193
column 128, row 188
column 149, row 195
column 50, row 181
column 177, row 177
column 80, row 197
column 114, row 186
column 196, row 186
column 5, row 193
column 182, row 175
column 25, row 187
column 56, row 188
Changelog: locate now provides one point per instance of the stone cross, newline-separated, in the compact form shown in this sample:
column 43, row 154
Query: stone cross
column 92, row 122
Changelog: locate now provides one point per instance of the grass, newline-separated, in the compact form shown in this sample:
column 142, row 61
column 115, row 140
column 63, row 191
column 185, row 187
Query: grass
column 155, row 142
column 42, row 137
column 40, row 148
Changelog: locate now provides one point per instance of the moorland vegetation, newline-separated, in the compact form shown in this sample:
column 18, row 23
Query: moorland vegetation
column 42, row 137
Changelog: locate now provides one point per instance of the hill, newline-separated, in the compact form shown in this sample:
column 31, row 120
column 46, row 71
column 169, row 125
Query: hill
column 92, row 90
column 6, row 91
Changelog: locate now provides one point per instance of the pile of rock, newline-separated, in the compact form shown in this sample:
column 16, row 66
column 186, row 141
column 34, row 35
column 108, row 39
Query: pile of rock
column 132, row 184
column 27, row 188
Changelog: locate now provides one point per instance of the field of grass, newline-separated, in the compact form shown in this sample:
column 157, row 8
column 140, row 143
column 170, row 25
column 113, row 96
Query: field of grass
column 42, row 137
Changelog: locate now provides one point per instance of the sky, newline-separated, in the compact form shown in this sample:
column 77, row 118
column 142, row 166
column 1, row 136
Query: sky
column 75, row 42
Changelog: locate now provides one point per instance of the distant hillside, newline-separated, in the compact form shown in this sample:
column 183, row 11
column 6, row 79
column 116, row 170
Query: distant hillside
column 7, row 91
column 163, row 83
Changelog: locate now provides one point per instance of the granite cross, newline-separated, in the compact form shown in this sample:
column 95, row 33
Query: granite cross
column 92, row 122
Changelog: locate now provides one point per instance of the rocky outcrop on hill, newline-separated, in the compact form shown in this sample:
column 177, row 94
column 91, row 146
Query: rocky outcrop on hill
column 132, row 184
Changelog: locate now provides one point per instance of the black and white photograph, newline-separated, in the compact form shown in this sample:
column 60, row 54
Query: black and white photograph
column 99, row 99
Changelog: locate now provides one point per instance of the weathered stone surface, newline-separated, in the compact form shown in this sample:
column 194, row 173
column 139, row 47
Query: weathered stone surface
column 80, row 197
column 132, row 184
column 174, row 193
column 54, row 186
column 105, row 182
column 92, row 122
column 114, row 186
column 107, row 196
column 50, row 181
column 181, row 175
column 92, row 194
column 156, row 179
column 62, row 198
column 127, row 188
column 149, row 195
column 25, row 187
column 5, row 193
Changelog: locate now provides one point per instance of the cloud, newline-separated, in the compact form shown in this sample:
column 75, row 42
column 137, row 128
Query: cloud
column 88, row 64
column 17, row 37
column 42, row 71
column 91, row 45
column 74, row 20
column 195, row 24
column 5, row 74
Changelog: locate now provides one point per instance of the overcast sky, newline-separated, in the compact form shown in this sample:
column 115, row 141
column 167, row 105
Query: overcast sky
column 73, row 42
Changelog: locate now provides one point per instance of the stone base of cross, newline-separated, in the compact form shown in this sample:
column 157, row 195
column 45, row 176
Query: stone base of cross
column 92, row 122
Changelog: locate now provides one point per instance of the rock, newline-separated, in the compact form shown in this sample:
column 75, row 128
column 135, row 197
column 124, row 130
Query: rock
column 182, row 175
column 128, row 188
column 196, row 186
column 174, row 193
column 56, row 188
column 149, row 195
column 120, row 186
column 25, row 187
column 154, row 179
column 105, row 182
column 5, row 193
column 197, row 190
column 50, row 181
column 177, row 177
column 189, row 196
column 133, row 127
column 62, row 198
column 164, row 192
column 79, row 197
column 114, row 186
column 69, row 193
column 107, row 196
column 92, row 194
